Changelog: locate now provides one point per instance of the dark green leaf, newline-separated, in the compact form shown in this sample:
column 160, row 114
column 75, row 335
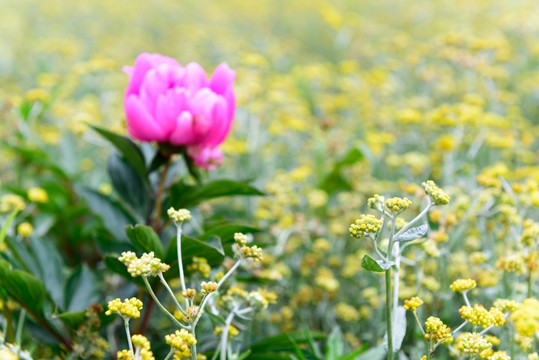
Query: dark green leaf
column 335, row 181
column 81, row 289
column 130, row 151
column 370, row 264
column 113, row 264
column 144, row 238
column 114, row 216
column 244, row 355
column 226, row 232
column 211, row 250
column 413, row 233
column 50, row 264
column 297, row 350
column 73, row 319
column 183, row 195
column 128, row 183
column 23, row 288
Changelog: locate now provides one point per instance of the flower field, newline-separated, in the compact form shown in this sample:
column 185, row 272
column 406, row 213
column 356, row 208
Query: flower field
column 305, row 179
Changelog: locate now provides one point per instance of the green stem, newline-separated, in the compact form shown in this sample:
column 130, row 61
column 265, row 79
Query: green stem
column 224, row 335
column 20, row 325
column 388, row 316
column 161, row 305
column 180, row 262
column 10, row 333
column 165, row 284
column 128, row 333
column 170, row 353
column 159, row 196
column 530, row 285
column 194, row 348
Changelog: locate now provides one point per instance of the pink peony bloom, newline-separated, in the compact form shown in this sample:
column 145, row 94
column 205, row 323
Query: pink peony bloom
column 168, row 103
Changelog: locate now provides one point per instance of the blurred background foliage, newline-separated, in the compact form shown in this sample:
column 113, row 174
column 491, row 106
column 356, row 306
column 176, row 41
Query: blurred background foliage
column 337, row 100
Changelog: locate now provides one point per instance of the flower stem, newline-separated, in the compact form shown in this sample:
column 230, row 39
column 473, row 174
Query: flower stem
column 170, row 353
column 224, row 335
column 152, row 294
column 165, row 284
column 159, row 196
column 128, row 333
column 20, row 325
column 180, row 262
column 388, row 316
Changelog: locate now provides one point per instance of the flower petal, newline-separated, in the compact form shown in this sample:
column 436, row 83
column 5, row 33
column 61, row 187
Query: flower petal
column 140, row 124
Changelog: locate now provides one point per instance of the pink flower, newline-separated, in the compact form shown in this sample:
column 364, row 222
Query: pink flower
column 168, row 103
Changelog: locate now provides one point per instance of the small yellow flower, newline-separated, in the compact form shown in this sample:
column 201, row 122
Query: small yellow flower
column 25, row 229
column 463, row 285
column 37, row 195
column 412, row 304
column 438, row 196
column 129, row 308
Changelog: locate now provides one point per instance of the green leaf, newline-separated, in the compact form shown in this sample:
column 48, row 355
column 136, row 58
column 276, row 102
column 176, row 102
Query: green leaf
column 23, row 288
column 81, row 289
column 376, row 353
column 215, row 319
column 113, row 264
column 282, row 342
column 212, row 249
column 114, row 216
column 297, row 350
column 370, row 264
column 130, row 151
column 399, row 329
column 183, row 195
column 73, row 319
column 144, row 238
column 334, row 345
column 335, row 181
column 50, row 265
column 6, row 225
column 354, row 354
column 37, row 158
column 413, row 233
column 128, row 183
column 244, row 355
column 226, row 232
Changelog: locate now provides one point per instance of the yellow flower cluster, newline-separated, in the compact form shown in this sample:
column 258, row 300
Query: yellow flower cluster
column 513, row 262
column 179, row 216
column 436, row 331
column 376, row 202
column 506, row 305
column 240, row 239
column 208, row 287
column 11, row 202
column 129, row 308
column 232, row 331
column 346, row 313
column 251, row 252
column 463, row 285
column 438, row 196
column 200, row 265
column 142, row 346
column 366, row 224
column 396, row 205
column 146, row 265
column 181, row 341
column 526, row 317
column 189, row 293
column 412, row 304
column 499, row 355
column 472, row 344
column 530, row 233
column 478, row 315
